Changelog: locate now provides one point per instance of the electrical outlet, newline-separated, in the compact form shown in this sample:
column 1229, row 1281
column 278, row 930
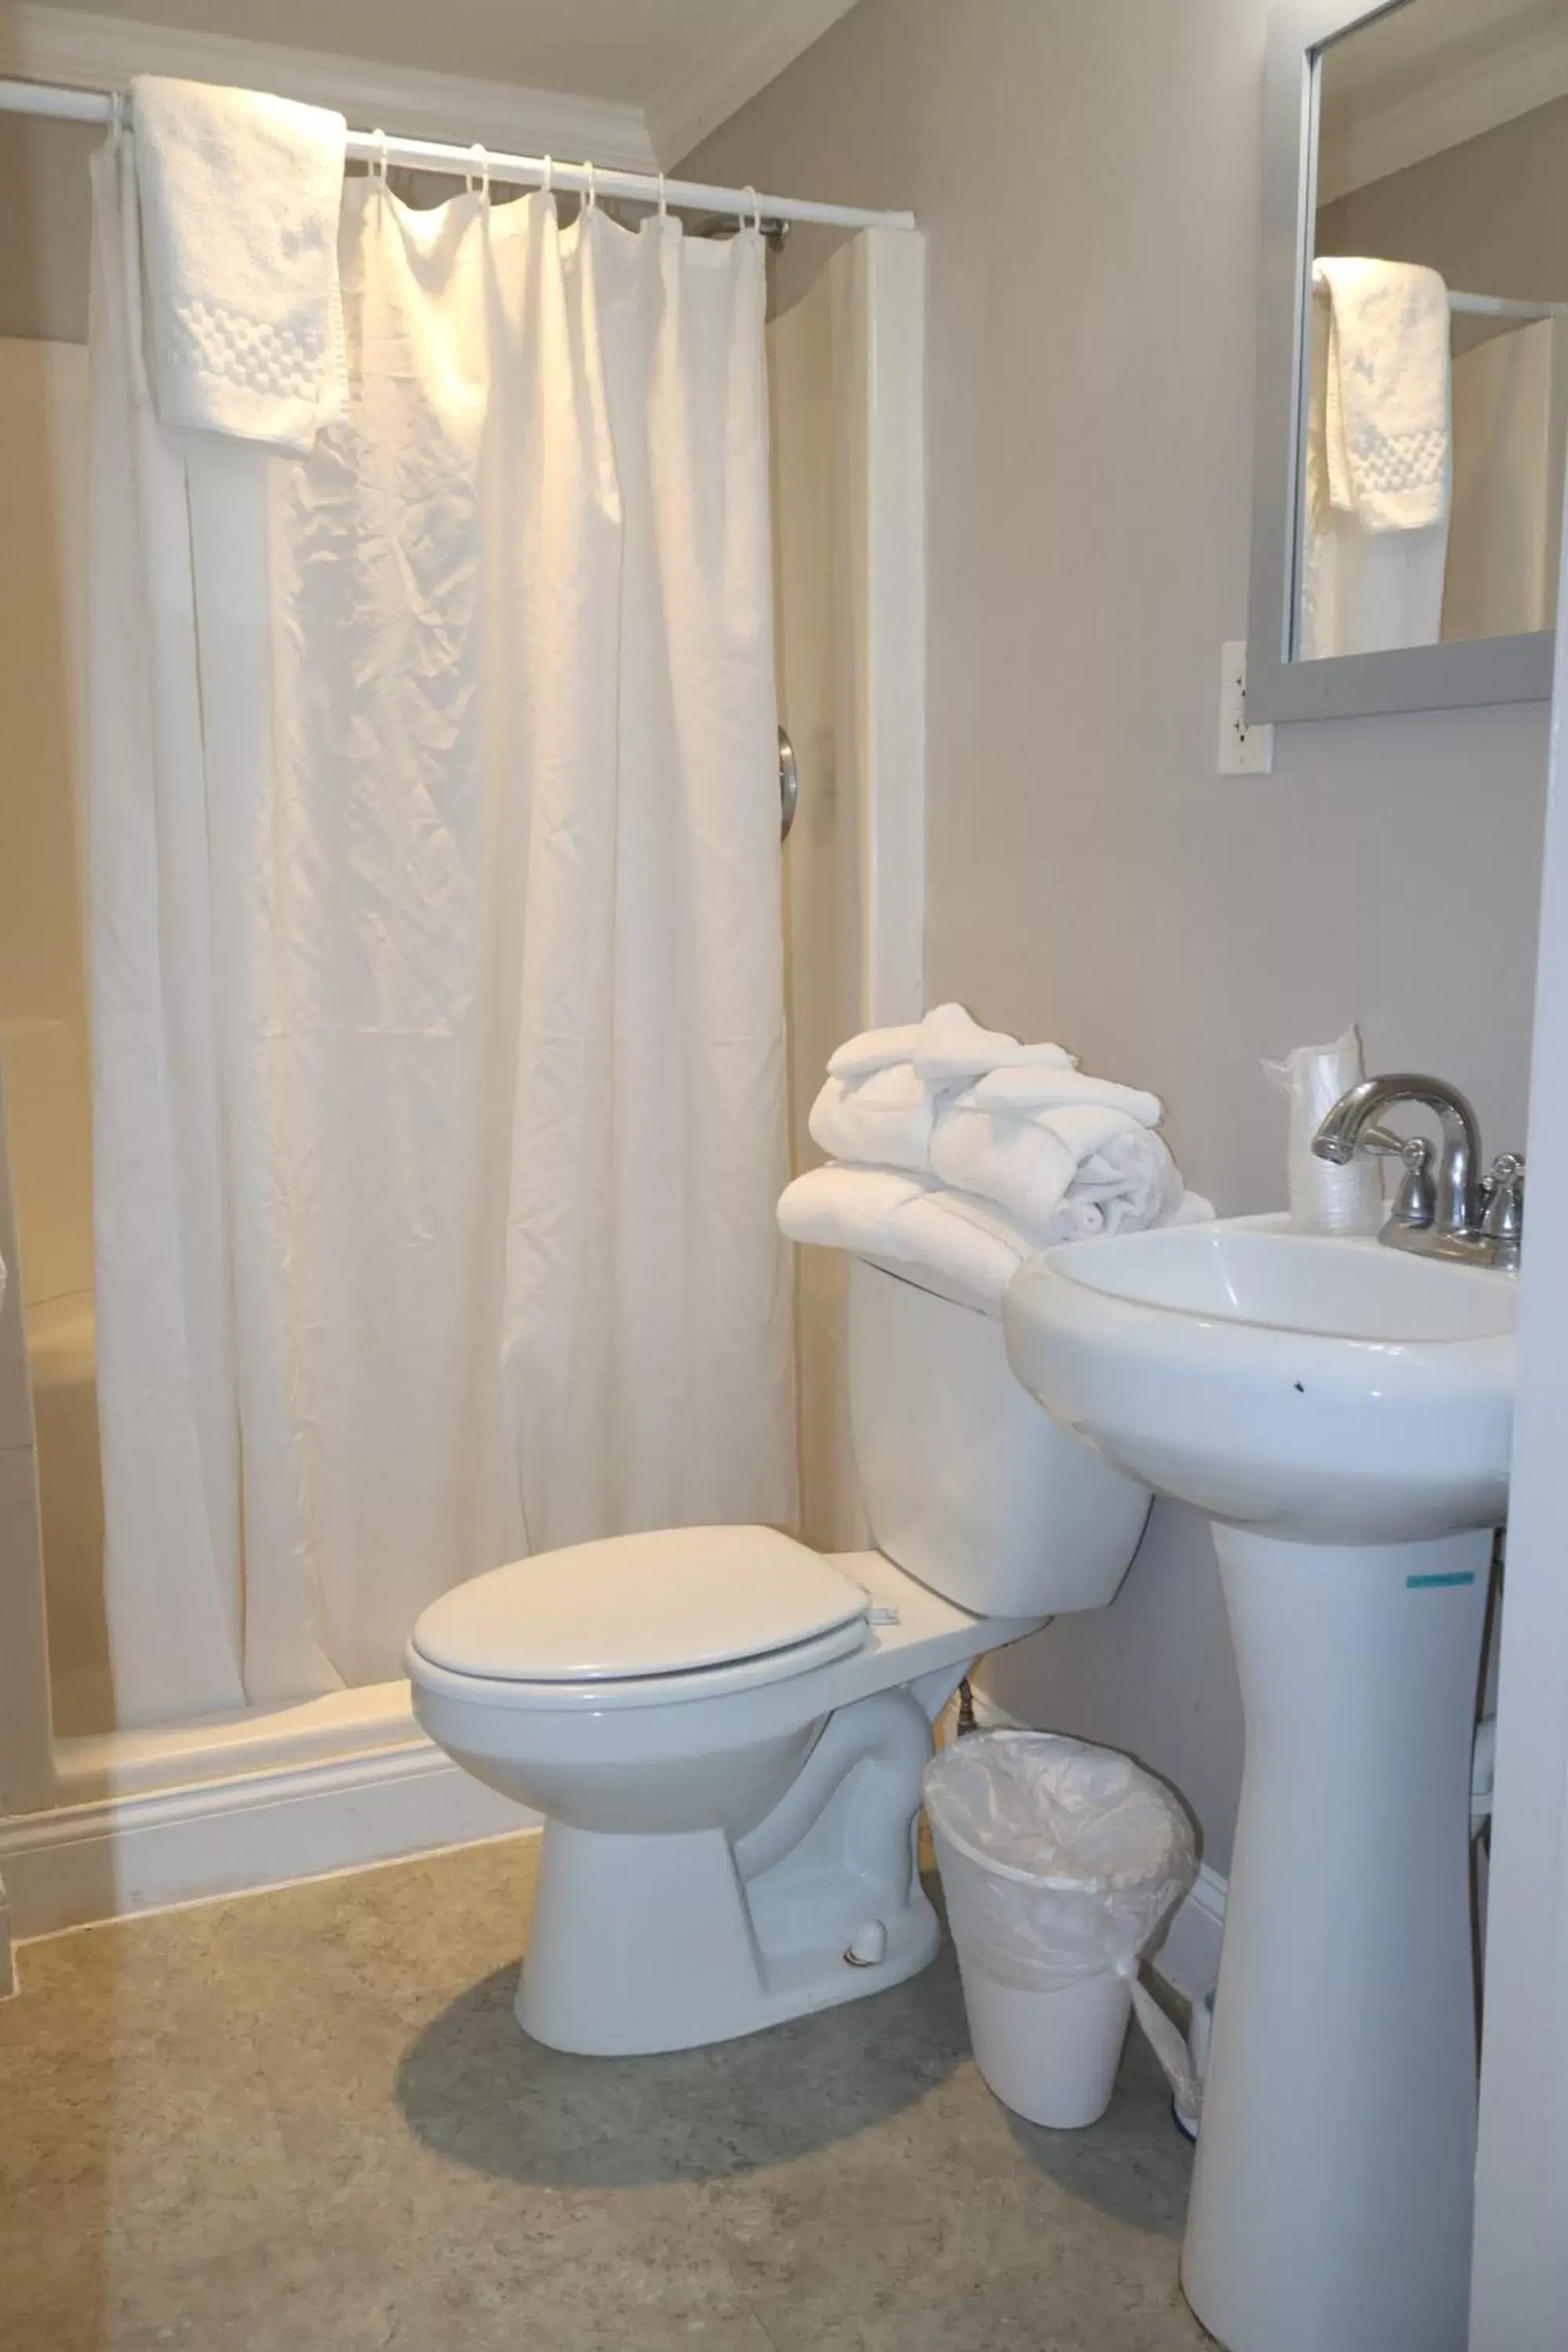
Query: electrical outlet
column 1244, row 750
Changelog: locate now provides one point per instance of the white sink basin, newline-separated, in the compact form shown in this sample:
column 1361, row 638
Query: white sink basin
column 1343, row 1412
column 1320, row 1390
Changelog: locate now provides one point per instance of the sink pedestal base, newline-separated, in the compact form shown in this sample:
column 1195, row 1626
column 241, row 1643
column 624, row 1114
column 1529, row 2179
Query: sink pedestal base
column 1331, row 2201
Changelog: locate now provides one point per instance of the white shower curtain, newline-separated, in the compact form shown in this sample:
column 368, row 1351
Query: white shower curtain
column 435, row 945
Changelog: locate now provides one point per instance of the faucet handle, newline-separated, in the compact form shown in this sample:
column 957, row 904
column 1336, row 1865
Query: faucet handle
column 1415, row 1203
column 1381, row 1143
column 1502, row 1192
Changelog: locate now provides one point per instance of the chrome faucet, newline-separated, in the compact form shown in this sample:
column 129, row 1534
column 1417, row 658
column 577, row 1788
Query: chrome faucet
column 1480, row 1221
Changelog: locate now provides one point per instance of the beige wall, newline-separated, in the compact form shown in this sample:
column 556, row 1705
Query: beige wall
column 45, row 206
column 1491, row 213
column 1086, row 178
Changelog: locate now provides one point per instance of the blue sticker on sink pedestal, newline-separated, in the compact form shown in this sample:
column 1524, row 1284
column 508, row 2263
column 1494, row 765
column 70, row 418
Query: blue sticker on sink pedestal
column 1453, row 1576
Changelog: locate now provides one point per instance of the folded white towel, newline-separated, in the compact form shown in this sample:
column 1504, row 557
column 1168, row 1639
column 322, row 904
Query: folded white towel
column 1387, row 411
column 241, row 196
column 874, row 1049
column 884, row 1120
column 1029, row 1166
column 975, row 1248
column 1024, row 1168
column 947, row 1046
column 882, row 1214
column 950, row 1048
column 849, row 1208
column 1022, row 1092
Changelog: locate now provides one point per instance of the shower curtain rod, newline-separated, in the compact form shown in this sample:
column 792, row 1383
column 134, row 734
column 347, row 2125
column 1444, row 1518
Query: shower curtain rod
column 1480, row 306
column 49, row 101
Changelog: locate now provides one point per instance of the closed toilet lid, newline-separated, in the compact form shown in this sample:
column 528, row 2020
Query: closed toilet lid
column 670, row 1603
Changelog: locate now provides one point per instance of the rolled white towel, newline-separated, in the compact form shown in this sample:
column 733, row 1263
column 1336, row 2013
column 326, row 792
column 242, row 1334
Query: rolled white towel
column 946, row 1048
column 884, row 1120
column 1022, row 1092
column 1029, row 1166
column 1125, row 1168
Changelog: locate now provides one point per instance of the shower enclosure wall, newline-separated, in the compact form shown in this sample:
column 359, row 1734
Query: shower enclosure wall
column 95, row 1819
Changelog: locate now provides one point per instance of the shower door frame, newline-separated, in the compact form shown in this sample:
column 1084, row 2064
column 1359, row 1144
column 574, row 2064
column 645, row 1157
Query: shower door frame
column 27, row 1743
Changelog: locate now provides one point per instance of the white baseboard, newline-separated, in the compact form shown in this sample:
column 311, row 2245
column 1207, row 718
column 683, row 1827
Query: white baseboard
column 1188, row 1958
column 147, row 1851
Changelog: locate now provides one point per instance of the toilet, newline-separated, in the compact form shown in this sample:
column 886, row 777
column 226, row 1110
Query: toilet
column 725, row 1731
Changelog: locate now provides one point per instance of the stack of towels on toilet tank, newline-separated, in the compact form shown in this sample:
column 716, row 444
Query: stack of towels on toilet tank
column 961, row 1150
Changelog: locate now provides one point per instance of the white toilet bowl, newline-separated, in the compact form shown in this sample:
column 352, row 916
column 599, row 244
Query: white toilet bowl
column 725, row 1731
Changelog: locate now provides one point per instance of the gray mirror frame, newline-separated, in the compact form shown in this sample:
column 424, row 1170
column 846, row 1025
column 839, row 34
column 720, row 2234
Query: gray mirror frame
column 1355, row 685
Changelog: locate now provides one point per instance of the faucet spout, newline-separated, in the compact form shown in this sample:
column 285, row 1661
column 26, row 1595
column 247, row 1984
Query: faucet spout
column 1457, row 1200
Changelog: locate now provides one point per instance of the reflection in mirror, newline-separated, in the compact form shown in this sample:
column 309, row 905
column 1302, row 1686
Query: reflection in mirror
column 1436, row 411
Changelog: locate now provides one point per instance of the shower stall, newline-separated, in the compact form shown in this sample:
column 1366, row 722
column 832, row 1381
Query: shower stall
column 98, row 1817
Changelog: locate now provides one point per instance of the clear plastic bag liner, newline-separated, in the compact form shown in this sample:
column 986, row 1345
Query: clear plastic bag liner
column 1058, row 1859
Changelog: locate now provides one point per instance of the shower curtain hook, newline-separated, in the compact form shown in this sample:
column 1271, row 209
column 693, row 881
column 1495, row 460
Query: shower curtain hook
column 378, row 155
column 592, row 198
column 478, row 175
column 663, row 199
column 756, row 221
column 547, row 185
column 117, row 114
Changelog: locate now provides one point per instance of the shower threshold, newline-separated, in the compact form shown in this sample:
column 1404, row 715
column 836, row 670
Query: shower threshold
column 373, row 1718
column 143, row 1820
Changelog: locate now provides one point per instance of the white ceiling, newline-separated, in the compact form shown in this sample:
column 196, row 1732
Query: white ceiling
column 682, row 65
column 1427, row 75
column 1410, row 47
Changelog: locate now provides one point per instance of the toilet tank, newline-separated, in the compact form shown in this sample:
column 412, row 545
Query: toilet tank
column 968, row 1483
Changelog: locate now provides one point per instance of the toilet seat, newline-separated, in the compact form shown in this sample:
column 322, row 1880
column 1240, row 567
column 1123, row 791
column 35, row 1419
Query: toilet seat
column 638, row 1618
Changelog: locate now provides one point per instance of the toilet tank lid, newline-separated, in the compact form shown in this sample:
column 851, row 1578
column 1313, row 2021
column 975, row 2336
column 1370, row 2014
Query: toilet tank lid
column 668, row 1602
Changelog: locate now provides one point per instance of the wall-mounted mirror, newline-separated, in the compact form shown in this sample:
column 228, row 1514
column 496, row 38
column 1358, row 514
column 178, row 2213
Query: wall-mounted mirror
column 1413, row 356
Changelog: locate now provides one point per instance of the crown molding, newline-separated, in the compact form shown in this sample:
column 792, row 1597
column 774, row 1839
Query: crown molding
column 1477, row 94
column 768, row 36
column 74, row 47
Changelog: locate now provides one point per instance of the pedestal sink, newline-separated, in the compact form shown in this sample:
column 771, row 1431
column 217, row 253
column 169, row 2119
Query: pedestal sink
column 1343, row 1412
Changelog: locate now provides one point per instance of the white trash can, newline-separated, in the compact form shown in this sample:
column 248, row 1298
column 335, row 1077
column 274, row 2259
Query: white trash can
column 1059, row 1862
